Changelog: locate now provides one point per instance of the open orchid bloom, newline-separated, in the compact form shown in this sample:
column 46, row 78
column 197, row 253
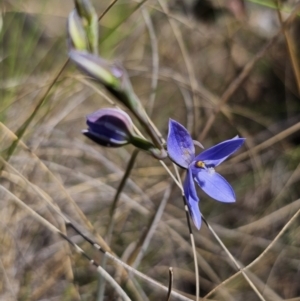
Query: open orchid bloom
column 201, row 168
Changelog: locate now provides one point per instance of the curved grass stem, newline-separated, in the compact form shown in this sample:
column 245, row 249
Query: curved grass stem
column 118, row 193
column 259, row 295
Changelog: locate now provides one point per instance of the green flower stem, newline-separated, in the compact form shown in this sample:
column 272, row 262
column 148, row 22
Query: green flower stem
column 143, row 144
column 118, row 192
column 141, row 115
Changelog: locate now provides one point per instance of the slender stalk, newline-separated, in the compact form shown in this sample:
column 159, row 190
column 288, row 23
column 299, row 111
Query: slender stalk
column 155, row 59
column 122, row 21
column 21, row 131
column 259, row 295
column 170, row 283
column 139, row 251
column 290, row 46
column 257, row 259
column 146, row 124
column 107, row 9
column 193, row 247
column 118, row 193
column 191, row 234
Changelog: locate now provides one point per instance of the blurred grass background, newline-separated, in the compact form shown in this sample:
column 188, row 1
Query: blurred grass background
column 221, row 68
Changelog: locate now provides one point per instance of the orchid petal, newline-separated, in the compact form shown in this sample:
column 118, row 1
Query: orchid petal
column 214, row 185
column 180, row 145
column 217, row 154
column 192, row 199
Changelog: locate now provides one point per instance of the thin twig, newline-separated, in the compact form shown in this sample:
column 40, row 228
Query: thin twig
column 193, row 247
column 235, row 84
column 21, row 131
column 285, row 227
column 118, row 193
column 107, row 9
column 145, row 241
column 266, row 144
column 187, row 61
column 290, row 46
column 197, row 278
column 170, row 283
column 122, row 21
column 260, row 296
column 155, row 59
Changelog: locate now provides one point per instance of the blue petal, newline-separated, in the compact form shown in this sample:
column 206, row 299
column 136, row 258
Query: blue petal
column 192, row 199
column 180, row 145
column 214, row 185
column 217, row 154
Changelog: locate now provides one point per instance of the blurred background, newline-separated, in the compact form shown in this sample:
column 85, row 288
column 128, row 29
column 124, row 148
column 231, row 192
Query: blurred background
column 221, row 68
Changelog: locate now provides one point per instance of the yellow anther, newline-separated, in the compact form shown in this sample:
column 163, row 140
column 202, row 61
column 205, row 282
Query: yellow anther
column 200, row 164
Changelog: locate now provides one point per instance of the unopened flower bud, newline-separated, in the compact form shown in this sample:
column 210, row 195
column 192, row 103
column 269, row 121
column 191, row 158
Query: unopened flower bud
column 114, row 128
column 85, row 9
column 89, row 17
column 98, row 68
column 109, row 127
column 76, row 34
column 114, row 77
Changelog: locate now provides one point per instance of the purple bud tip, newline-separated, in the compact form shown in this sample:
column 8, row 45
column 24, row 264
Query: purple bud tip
column 109, row 127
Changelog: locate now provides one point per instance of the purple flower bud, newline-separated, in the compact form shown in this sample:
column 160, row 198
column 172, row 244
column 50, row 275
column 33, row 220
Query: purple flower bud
column 108, row 74
column 114, row 78
column 109, row 127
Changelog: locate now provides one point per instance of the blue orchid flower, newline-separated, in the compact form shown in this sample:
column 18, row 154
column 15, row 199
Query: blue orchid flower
column 201, row 168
